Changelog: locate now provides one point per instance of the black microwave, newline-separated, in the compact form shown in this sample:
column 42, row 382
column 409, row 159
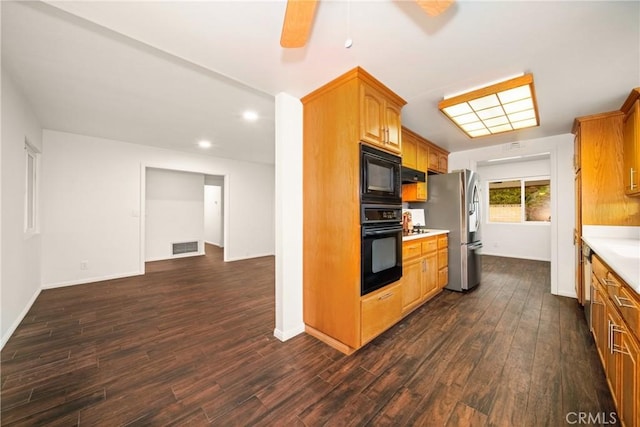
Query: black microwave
column 380, row 176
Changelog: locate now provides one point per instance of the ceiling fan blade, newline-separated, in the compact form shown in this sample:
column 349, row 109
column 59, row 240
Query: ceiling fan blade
column 434, row 7
column 298, row 19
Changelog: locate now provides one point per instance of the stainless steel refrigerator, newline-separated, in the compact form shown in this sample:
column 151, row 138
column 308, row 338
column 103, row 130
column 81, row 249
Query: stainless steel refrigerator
column 454, row 204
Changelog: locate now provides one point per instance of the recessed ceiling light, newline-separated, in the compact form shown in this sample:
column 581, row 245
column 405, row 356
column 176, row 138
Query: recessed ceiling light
column 204, row 144
column 251, row 116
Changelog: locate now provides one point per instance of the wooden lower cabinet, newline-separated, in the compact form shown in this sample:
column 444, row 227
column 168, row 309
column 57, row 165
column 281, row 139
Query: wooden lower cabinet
column 424, row 270
column 443, row 261
column 411, row 284
column 380, row 310
column 617, row 340
column 630, row 382
column 430, row 275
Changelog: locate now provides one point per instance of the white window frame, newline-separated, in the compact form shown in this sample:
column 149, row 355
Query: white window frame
column 31, row 190
column 523, row 212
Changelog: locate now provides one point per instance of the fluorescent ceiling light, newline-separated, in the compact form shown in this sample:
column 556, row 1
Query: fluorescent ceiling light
column 204, row 144
column 501, row 107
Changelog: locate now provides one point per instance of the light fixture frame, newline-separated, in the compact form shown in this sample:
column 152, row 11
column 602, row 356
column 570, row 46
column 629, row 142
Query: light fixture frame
column 494, row 89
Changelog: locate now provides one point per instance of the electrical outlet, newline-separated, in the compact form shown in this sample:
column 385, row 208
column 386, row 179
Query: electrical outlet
column 84, row 265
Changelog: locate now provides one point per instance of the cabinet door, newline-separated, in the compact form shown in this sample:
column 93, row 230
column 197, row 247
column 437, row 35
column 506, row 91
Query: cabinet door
column 612, row 355
column 598, row 321
column 433, row 159
column 372, row 128
column 430, row 274
column 409, row 152
column 423, row 157
column 411, row 284
column 393, row 127
column 443, row 163
column 630, row 382
column 421, row 191
column 631, row 150
column 443, row 277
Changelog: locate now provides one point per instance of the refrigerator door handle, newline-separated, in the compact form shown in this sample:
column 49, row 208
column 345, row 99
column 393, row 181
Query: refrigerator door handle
column 475, row 246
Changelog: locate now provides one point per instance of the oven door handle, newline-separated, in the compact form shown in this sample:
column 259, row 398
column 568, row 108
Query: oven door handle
column 381, row 231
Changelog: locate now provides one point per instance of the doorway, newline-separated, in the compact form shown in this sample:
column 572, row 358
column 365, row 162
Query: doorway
column 182, row 211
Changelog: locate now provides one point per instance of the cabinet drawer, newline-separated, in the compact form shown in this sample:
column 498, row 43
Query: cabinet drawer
column 443, row 241
column 411, row 250
column 599, row 269
column 429, row 245
column 629, row 308
column 380, row 310
column 443, row 257
column 611, row 284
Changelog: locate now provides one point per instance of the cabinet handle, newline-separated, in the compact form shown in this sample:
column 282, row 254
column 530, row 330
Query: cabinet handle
column 622, row 349
column 385, row 296
column 621, row 302
column 616, row 348
column 609, row 336
column 609, row 282
column 632, row 184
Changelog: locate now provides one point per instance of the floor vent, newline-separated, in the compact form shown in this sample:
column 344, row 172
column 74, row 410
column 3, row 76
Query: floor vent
column 185, row 248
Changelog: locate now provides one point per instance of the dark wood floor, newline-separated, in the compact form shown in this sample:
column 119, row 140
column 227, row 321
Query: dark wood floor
column 190, row 343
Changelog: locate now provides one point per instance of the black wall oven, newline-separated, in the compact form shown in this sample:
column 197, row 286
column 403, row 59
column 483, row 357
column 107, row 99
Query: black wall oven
column 380, row 177
column 381, row 246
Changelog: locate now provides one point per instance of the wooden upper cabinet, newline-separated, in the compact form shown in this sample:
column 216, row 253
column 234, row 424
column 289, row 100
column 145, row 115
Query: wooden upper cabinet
column 380, row 121
column 443, row 162
column 421, row 154
column 631, row 145
column 410, row 151
column 600, row 194
column 392, row 116
column 422, row 157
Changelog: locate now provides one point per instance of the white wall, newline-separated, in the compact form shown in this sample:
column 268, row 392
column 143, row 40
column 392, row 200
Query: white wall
column 20, row 269
column 560, row 148
column 93, row 189
column 174, row 207
column 213, row 214
column 529, row 241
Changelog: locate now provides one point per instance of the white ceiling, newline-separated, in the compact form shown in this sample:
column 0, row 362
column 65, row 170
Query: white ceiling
column 171, row 73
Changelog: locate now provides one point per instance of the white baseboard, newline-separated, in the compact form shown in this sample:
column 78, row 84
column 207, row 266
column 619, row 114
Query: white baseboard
column 90, row 280
column 248, row 257
column 288, row 334
column 484, row 252
column 16, row 323
column 218, row 244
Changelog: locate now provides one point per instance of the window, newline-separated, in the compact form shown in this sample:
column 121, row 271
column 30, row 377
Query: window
column 31, row 190
column 520, row 200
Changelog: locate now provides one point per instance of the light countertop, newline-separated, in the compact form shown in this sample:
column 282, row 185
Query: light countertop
column 431, row 232
column 621, row 254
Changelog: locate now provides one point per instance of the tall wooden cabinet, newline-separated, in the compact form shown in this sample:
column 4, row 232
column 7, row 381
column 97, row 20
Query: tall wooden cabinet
column 354, row 107
column 599, row 193
column 631, row 137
